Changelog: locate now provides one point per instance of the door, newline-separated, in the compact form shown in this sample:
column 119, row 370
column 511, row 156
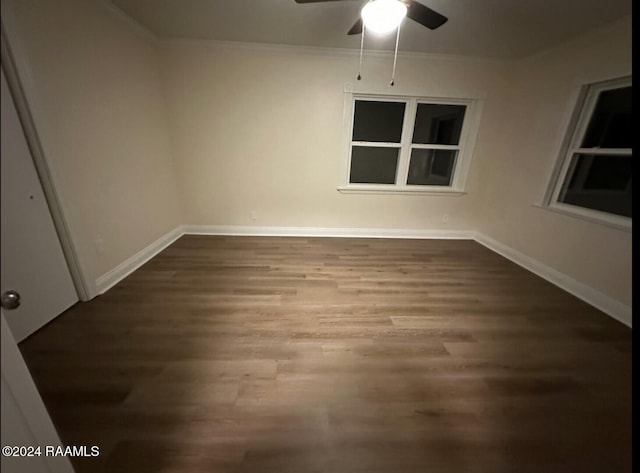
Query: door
column 25, row 420
column 32, row 262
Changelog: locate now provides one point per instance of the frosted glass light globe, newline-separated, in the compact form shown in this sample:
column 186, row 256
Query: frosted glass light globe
column 383, row 16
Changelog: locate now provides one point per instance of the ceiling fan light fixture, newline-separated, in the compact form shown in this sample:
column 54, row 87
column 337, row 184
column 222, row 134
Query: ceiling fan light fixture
column 383, row 16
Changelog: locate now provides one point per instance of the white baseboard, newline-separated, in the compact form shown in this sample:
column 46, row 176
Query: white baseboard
column 124, row 269
column 327, row 232
column 606, row 304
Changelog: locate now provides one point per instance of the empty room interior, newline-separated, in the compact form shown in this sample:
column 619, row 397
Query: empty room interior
column 286, row 236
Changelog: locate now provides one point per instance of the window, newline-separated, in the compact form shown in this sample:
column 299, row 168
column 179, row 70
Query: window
column 400, row 144
column 594, row 174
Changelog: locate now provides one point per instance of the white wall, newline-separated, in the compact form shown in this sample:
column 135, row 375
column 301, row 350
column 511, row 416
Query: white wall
column 542, row 96
column 93, row 86
column 259, row 129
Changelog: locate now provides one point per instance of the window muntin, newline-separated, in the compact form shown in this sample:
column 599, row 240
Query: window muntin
column 595, row 179
column 407, row 144
column 435, row 144
column 376, row 141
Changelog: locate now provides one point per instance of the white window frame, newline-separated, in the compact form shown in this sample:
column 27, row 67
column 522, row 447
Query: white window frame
column 464, row 147
column 574, row 136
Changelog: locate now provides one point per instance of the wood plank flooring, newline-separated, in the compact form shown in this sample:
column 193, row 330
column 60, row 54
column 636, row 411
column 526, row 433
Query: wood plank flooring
column 327, row 355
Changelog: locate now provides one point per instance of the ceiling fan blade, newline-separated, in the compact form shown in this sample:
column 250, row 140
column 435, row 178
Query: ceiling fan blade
column 356, row 28
column 425, row 15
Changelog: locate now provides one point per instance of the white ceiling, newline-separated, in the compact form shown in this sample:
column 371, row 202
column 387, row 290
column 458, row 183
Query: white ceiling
column 493, row 28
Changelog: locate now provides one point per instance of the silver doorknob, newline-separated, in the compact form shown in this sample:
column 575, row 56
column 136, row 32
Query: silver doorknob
column 10, row 300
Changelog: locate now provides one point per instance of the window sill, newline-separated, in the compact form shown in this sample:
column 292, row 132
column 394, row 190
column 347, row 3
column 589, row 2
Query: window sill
column 402, row 191
column 619, row 223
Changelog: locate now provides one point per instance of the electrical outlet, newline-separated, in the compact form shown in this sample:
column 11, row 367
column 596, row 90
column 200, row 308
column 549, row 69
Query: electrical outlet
column 445, row 218
column 253, row 216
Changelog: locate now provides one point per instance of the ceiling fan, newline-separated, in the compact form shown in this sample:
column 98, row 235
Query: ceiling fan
column 383, row 16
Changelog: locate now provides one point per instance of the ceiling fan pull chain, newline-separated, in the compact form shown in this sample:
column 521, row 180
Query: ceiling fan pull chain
column 395, row 56
column 361, row 48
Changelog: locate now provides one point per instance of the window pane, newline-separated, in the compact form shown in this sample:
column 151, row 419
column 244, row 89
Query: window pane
column 378, row 121
column 431, row 167
column 610, row 124
column 599, row 183
column 373, row 165
column 438, row 124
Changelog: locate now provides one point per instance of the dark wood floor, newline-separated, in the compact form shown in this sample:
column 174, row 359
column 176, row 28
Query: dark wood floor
column 252, row 354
